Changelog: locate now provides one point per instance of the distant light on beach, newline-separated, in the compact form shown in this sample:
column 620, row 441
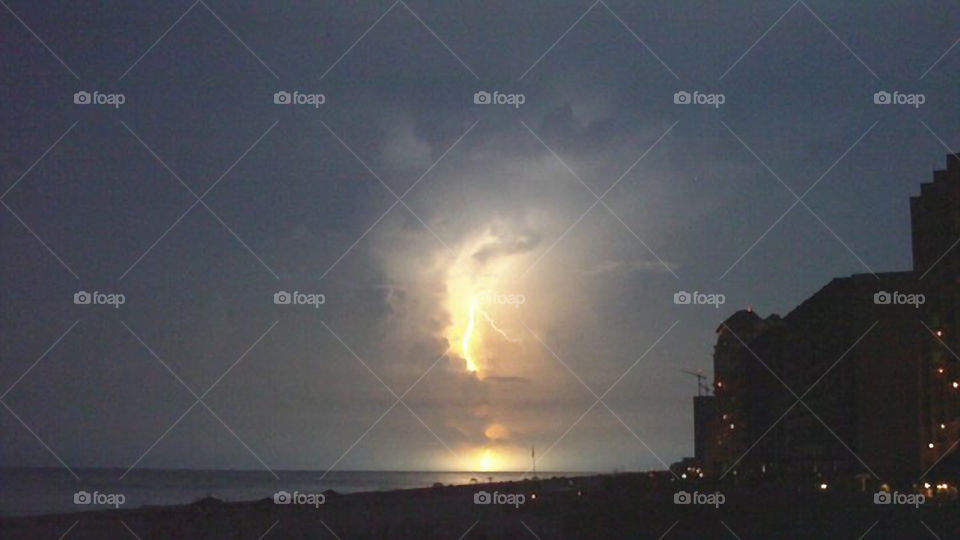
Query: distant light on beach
column 488, row 460
column 486, row 463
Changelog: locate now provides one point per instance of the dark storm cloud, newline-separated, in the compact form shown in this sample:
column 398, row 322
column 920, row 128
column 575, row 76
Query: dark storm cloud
column 290, row 211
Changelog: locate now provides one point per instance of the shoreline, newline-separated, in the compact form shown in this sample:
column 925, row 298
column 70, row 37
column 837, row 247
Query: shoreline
column 609, row 506
column 550, row 481
column 50, row 491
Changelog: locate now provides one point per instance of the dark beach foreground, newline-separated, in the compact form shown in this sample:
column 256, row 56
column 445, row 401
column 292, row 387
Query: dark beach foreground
column 606, row 506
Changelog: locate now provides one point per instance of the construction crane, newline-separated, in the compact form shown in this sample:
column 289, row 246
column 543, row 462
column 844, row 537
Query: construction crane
column 702, row 388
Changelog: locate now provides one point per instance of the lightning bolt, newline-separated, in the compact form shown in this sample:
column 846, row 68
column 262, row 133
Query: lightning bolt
column 467, row 334
column 497, row 328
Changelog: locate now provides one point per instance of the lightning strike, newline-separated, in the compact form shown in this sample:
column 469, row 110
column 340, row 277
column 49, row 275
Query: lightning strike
column 467, row 334
column 497, row 328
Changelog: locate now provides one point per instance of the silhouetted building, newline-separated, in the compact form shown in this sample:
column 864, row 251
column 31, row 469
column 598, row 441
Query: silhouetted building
column 935, row 220
column 732, row 367
column 855, row 364
column 860, row 378
column 704, row 427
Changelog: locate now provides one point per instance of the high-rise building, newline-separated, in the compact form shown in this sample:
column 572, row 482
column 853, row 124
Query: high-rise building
column 935, row 220
column 855, row 361
column 704, row 428
column 857, row 380
column 731, row 381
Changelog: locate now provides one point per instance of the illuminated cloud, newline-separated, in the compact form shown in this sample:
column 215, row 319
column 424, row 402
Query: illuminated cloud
column 497, row 432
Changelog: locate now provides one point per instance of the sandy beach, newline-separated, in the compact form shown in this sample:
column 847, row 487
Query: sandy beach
column 631, row 505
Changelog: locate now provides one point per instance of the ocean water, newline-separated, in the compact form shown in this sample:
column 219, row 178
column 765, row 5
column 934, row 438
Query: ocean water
column 35, row 491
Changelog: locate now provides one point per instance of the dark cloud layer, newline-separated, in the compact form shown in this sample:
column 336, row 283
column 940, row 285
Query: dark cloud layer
column 303, row 209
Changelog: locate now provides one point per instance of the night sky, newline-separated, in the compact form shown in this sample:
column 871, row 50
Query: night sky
column 399, row 199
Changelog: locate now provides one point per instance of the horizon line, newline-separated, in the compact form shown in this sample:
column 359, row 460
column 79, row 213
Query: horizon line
column 44, row 467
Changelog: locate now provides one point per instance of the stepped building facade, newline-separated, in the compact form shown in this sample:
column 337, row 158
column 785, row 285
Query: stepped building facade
column 860, row 382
